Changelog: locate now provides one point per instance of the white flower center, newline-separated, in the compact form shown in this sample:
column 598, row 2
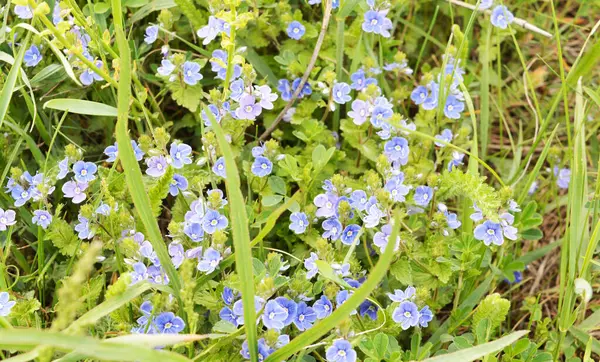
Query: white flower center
column 214, row 222
column 301, row 223
column 326, row 307
column 301, row 317
column 342, row 353
column 77, row 190
column 296, row 30
column 271, row 315
column 189, row 73
column 491, row 232
column 398, row 148
column 24, row 194
column 425, row 196
column 407, row 314
column 374, row 22
column 159, row 166
column 83, row 172
column 3, row 220
column 362, row 112
column 328, row 205
column 264, row 166
column 248, row 109
column 168, row 325
column 178, row 155
column 450, row 107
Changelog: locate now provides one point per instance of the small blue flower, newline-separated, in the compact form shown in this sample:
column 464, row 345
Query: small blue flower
column 262, row 166
column 323, row 307
column 359, row 112
column 219, row 167
column 501, row 17
column 210, row 261
column 445, row 136
column 340, row 351
column 395, row 186
column 89, row 76
column 563, row 177
column 333, row 228
column 214, row 221
column 425, row 316
column 402, row 295
column 103, row 209
column 74, row 190
column 23, row 12
column 41, row 218
column 274, row 315
column 311, row 265
column 212, row 29
column 306, row 89
column 63, row 167
column 5, row 304
column 228, row 295
column 84, row 231
column 248, row 108
column 139, row 273
column 369, row 309
column 406, row 314
column 84, row 171
column 397, row 150
column 486, row 4
column 227, row 314
column 177, row 254
column 284, row 87
column 191, row 73
column 290, row 307
column 20, row 195
column 151, row 34
column 157, row 166
column 178, row 183
column 298, row 222
column 453, row 107
column 167, row 322
column 326, row 204
column 194, row 231
column 296, row 30
column 215, row 112
column 423, row 195
column 180, row 154
column 7, row 218
column 32, row 56
column 349, row 234
column 373, row 22
column 341, row 93
column 490, row 233
column 237, row 89
column 457, row 160
column 419, row 94
column 342, row 297
column 358, row 200
column 381, row 238
column 305, row 317
column 166, row 68
column 359, row 80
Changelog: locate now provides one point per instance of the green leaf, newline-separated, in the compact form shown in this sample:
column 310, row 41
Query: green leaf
column 187, row 96
column 473, row 353
column 133, row 174
column 320, row 156
column 80, row 106
column 271, row 200
column 11, row 80
column 101, row 8
column 380, row 345
column 532, row 234
column 325, row 325
column 25, row 339
column 241, row 236
column 277, row 185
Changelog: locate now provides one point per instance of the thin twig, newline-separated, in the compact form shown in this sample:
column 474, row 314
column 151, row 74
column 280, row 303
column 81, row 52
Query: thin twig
column 516, row 20
column 311, row 64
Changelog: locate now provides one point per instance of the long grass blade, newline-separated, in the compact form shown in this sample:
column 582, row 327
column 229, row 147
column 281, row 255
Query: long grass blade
column 11, row 80
column 80, row 106
column 241, row 236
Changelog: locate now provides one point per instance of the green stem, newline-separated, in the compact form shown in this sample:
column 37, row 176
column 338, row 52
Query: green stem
column 339, row 67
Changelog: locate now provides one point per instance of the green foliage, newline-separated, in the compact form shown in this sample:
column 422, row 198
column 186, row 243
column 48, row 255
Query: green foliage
column 187, row 96
column 160, row 190
column 61, row 234
column 494, row 309
column 458, row 183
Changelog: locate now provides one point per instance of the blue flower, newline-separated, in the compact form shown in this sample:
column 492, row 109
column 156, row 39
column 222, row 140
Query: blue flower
column 83, row 228
column 194, row 231
column 381, row 238
column 457, row 160
column 261, row 166
column 7, row 218
column 298, row 222
column 501, row 17
column 341, row 93
column 431, row 102
column 359, row 112
column 74, row 190
column 350, row 233
column 453, row 107
column 333, row 228
column 284, row 87
column 358, row 200
column 32, row 56
column 248, row 108
column 445, row 136
column 490, row 233
column 139, row 273
column 323, row 307
column 374, row 214
column 219, row 65
column 290, row 307
column 563, row 177
column 214, row 221
column 305, row 317
column 219, row 167
column 166, row 68
column 210, row 261
column 63, row 167
column 178, row 183
column 485, row 4
column 342, row 297
column 113, row 151
column 89, row 76
column 397, row 150
column 311, row 265
column 151, row 34
column 373, row 21
column 191, row 73
column 180, row 153
column 402, row 295
column 20, row 195
column 157, row 166
column 395, row 186
column 359, row 80
column 423, row 195
column 176, row 253
column 5, row 304
column 380, row 114
column 227, row 314
column 263, row 350
column 419, row 94
column 369, row 309
column 84, row 171
column 215, row 112
column 167, row 322
column 212, row 29
column 326, row 204
column 42, row 218
column 274, row 315
column 296, row 30
column 425, row 316
column 407, row 314
column 509, row 231
column 340, row 351
column 23, row 12
column 228, row 295
column 306, row 89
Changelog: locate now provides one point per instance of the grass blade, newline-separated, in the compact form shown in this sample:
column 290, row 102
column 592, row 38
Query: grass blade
column 473, row 353
column 343, row 311
column 11, row 80
column 80, row 106
column 25, row 339
column 133, row 174
column 241, row 236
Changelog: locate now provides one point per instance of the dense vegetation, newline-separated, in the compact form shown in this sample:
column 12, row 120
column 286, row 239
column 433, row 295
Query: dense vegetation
column 321, row 180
